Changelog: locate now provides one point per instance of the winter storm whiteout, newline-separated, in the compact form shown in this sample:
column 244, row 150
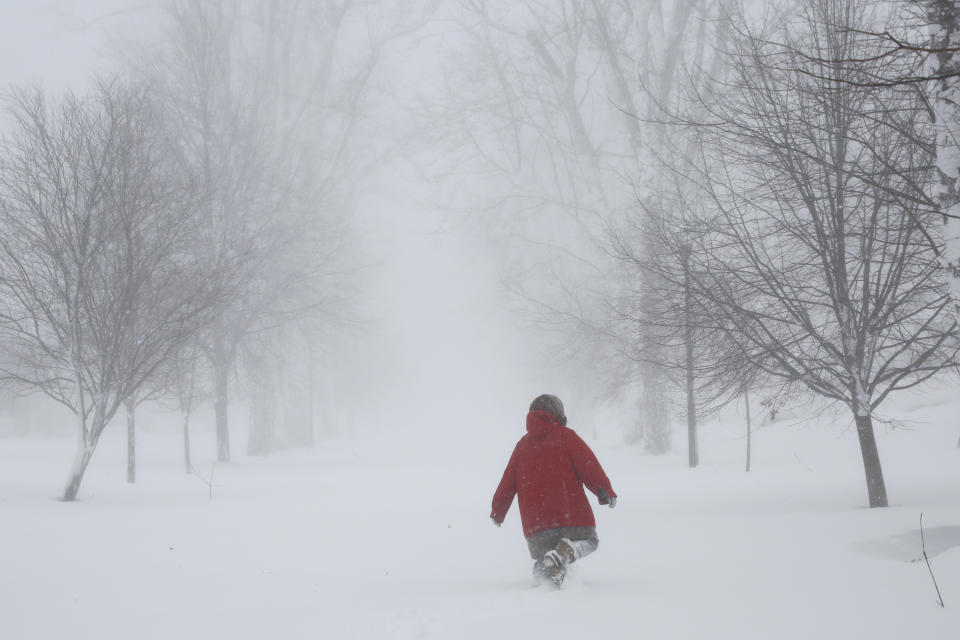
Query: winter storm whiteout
column 479, row 319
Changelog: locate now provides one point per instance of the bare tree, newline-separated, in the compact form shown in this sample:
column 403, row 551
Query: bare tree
column 96, row 290
column 820, row 249
column 919, row 47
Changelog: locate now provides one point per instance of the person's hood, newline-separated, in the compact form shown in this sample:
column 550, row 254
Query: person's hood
column 541, row 423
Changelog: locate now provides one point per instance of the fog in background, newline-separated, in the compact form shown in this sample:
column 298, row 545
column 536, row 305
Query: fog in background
column 323, row 220
column 432, row 345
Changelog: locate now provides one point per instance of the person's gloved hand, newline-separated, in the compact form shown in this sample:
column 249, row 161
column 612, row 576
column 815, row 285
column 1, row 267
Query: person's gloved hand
column 606, row 498
column 494, row 521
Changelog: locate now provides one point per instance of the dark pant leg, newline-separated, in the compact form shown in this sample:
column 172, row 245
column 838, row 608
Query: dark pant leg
column 543, row 541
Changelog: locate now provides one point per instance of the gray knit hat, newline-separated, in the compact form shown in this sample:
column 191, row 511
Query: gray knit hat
column 550, row 404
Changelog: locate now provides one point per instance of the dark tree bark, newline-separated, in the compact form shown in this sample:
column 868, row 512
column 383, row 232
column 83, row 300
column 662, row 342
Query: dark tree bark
column 944, row 16
column 692, row 453
column 81, row 460
column 187, row 466
column 876, row 489
column 131, row 407
column 221, row 396
column 746, row 402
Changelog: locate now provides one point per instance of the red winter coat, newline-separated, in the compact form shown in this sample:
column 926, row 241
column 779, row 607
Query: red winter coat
column 547, row 472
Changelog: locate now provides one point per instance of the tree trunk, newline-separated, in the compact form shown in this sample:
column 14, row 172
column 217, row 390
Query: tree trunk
column 264, row 405
column 657, row 426
column 311, row 411
column 260, row 437
column 82, row 459
column 85, row 448
column 876, row 490
column 221, row 374
column 653, row 423
column 746, row 401
column 693, row 453
column 186, row 442
column 131, row 441
column 944, row 17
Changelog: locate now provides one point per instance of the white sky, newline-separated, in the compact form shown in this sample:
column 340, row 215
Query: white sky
column 57, row 43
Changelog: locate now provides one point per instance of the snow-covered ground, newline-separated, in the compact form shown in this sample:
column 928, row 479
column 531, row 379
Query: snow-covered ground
column 387, row 536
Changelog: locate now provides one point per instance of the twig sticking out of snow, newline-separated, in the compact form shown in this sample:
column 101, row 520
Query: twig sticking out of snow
column 208, row 482
column 929, row 568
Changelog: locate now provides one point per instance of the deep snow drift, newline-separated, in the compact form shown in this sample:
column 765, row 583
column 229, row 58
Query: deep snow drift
column 387, row 536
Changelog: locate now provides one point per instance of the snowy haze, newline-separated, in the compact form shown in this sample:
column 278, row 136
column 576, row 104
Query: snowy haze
column 435, row 335
column 468, row 293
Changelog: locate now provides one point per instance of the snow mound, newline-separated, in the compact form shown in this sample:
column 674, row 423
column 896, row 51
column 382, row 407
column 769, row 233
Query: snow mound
column 908, row 546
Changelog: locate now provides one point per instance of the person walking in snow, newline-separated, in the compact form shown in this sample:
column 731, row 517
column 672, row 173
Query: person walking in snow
column 549, row 467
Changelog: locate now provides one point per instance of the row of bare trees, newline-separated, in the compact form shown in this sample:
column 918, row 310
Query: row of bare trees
column 809, row 239
column 766, row 217
column 180, row 229
column 100, row 284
